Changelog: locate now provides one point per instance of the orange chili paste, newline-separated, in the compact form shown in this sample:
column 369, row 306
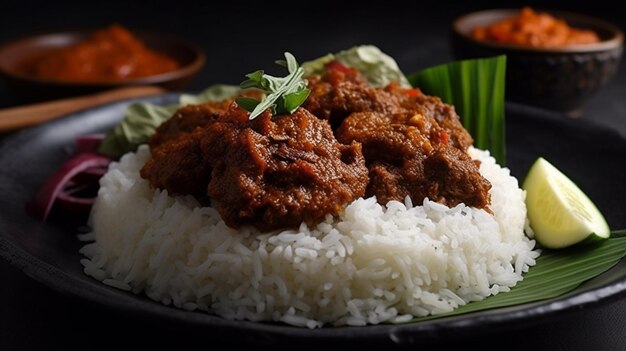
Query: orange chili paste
column 535, row 29
column 108, row 54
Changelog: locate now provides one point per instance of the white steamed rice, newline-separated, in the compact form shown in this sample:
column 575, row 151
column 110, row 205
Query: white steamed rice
column 373, row 264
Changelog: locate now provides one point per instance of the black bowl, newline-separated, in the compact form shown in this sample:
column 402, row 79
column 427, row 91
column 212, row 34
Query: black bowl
column 560, row 79
column 27, row 88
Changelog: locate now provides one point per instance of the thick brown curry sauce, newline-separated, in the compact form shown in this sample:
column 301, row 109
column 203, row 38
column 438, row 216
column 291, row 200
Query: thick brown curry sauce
column 348, row 140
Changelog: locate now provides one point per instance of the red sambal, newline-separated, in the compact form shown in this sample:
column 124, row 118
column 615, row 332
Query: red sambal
column 112, row 53
column 534, row 29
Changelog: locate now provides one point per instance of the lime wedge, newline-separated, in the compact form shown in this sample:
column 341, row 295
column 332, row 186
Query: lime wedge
column 559, row 212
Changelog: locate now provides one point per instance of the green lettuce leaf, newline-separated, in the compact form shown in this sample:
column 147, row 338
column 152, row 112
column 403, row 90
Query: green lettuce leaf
column 378, row 68
column 142, row 119
column 139, row 123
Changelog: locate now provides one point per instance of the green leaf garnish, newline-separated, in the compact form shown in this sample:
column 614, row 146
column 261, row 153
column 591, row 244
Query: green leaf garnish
column 247, row 103
column 255, row 79
column 476, row 89
column 293, row 100
column 284, row 95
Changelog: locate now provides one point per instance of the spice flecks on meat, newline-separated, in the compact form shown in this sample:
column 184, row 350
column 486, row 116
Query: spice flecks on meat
column 348, row 140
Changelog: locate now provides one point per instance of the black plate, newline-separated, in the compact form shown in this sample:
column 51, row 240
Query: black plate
column 48, row 252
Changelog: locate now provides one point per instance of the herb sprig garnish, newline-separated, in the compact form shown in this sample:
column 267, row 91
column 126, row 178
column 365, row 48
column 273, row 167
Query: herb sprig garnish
column 283, row 95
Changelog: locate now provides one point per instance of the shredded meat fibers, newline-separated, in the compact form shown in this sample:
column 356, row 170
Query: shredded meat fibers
column 278, row 172
column 409, row 154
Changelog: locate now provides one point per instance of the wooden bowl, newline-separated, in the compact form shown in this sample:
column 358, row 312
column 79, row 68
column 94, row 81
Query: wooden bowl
column 28, row 88
column 555, row 78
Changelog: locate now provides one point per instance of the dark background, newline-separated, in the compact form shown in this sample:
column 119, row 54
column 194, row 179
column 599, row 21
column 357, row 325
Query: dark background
column 240, row 37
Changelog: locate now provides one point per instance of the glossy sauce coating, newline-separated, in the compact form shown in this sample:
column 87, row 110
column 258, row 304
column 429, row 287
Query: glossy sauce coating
column 348, row 140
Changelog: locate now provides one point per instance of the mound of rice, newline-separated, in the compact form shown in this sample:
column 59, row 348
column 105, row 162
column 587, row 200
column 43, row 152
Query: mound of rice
column 373, row 264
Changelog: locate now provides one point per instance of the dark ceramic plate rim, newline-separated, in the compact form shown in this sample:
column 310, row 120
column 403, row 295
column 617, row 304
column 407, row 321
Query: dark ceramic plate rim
column 503, row 318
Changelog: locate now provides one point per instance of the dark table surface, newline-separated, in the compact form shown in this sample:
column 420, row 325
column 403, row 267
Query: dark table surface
column 241, row 38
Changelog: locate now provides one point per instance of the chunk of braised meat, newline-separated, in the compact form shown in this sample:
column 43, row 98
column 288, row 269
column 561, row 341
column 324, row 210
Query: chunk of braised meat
column 178, row 165
column 189, row 117
column 414, row 100
column 453, row 178
column 410, row 154
column 186, row 119
column 276, row 172
column 342, row 91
